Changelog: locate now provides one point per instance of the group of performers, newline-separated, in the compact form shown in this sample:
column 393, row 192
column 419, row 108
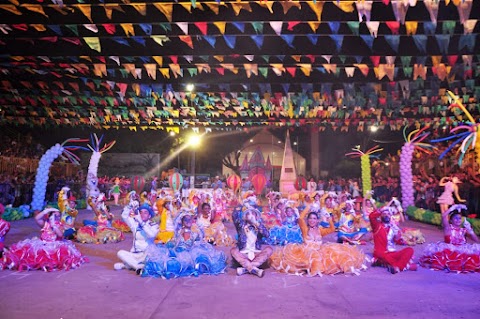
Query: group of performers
column 311, row 233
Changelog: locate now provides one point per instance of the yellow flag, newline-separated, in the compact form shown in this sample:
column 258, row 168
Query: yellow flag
column 11, row 8
column 151, row 70
column 411, row 27
column 165, row 72
column 221, row 26
column 306, row 68
column 34, row 8
column 100, row 69
column 165, row 8
column 344, row 5
column 109, row 7
column 128, row 28
column 219, row 58
column 317, row 8
column 86, row 9
column 38, row 27
column 238, row 6
column 214, row 6
column 187, row 6
column 266, row 4
column 314, row 25
column 93, row 43
column 158, row 59
column 287, row 5
column 140, row 7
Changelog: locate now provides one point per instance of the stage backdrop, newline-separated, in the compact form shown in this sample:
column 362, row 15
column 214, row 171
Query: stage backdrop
column 126, row 164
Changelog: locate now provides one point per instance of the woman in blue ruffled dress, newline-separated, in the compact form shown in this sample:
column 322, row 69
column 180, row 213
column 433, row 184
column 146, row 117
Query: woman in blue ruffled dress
column 186, row 255
column 289, row 231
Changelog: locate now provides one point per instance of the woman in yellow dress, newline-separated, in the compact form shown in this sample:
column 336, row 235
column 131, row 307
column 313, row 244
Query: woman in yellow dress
column 314, row 257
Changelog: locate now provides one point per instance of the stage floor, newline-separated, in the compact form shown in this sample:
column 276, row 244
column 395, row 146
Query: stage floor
column 96, row 290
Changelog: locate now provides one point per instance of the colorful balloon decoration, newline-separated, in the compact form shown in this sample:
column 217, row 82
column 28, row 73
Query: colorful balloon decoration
column 92, row 179
column 234, row 182
column 300, row 183
column 412, row 142
column 175, row 181
column 469, row 137
column 259, row 181
column 41, row 178
column 138, row 184
column 365, row 165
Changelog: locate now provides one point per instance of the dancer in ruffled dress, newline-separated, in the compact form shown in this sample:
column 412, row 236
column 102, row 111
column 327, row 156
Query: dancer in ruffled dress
column 445, row 200
column 100, row 230
column 289, row 231
column 185, row 255
column 213, row 229
column 455, row 254
column 407, row 236
column 48, row 253
column 315, row 257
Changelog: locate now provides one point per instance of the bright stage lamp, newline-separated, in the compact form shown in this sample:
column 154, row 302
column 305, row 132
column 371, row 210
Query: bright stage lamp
column 194, row 140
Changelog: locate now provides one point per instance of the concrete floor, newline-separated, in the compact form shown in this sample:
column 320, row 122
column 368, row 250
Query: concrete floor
column 95, row 290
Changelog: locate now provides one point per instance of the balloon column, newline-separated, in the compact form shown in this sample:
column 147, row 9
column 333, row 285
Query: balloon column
column 300, row 183
column 175, row 181
column 365, row 165
column 92, row 179
column 41, row 178
column 259, row 181
column 412, row 142
column 234, row 182
column 469, row 137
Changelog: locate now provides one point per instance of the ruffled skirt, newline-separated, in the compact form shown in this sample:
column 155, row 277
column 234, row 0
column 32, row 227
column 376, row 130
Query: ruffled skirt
column 216, row 234
column 318, row 259
column 410, row 237
column 448, row 257
column 33, row 254
column 99, row 235
column 282, row 235
column 169, row 261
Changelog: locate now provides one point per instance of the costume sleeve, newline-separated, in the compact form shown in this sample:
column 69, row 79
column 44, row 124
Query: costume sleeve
column 151, row 229
column 302, row 223
column 263, row 230
column 374, row 222
column 130, row 221
column 329, row 230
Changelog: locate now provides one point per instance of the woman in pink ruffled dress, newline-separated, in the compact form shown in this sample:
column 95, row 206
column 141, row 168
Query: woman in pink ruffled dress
column 49, row 252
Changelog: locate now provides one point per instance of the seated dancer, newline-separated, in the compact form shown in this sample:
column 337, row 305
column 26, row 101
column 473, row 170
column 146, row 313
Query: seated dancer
column 165, row 219
column 100, row 230
column 384, row 250
column 185, row 255
column 249, row 253
column 289, row 232
column 273, row 217
column 48, row 253
column 455, row 254
column 315, row 257
column 67, row 204
column 4, row 229
column 407, row 236
column 144, row 230
column 347, row 232
column 214, row 232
